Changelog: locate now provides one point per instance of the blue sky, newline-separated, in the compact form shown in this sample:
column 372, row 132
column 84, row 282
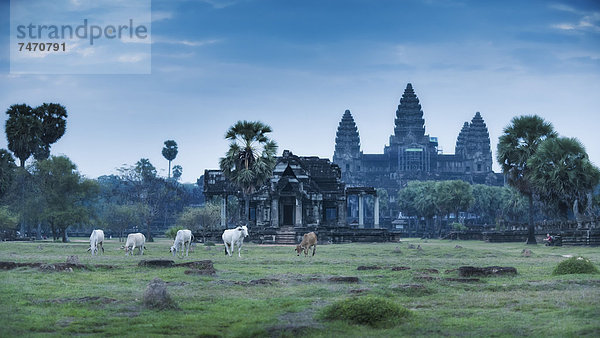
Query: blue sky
column 297, row 65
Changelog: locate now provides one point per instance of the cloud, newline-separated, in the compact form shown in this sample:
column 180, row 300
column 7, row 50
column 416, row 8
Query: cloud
column 161, row 15
column 588, row 21
column 189, row 43
column 219, row 4
column 132, row 58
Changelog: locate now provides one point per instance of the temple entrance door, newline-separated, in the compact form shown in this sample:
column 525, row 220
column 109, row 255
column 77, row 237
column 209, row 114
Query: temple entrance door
column 288, row 214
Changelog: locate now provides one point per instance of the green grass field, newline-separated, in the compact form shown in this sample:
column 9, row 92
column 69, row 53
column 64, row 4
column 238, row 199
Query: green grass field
column 289, row 292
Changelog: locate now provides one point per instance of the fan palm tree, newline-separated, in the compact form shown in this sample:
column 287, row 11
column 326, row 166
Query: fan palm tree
column 53, row 118
column 169, row 152
column 23, row 130
column 562, row 173
column 250, row 160
column 517, row 144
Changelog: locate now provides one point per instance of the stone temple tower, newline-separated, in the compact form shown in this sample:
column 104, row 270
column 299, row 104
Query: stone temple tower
column 410, row 149
column 473, row 144
column 347, row 148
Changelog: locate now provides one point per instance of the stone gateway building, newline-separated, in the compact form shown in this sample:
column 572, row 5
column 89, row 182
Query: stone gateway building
column 304, row 191
column 412, row 154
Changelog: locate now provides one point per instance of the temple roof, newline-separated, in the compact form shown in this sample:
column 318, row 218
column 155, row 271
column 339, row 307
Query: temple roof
column 478, row 138
column 409, row 117
column 473, row 138
column 347, row 140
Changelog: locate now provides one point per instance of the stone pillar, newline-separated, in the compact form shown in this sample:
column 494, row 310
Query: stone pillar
column 342, row 209
column 275, row 212
column 361, row 212
column 316, row 214
column 376, row 212
column 258, row 212
column 224, row 212
column 298, row 212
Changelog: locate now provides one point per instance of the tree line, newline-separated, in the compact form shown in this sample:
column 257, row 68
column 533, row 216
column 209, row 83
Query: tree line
column 49, row 194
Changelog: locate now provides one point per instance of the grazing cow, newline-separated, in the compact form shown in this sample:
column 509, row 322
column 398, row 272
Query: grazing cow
column 231, row 237
column 183, row 237
column 135, row 240
column 96, row 240
column 308, row 240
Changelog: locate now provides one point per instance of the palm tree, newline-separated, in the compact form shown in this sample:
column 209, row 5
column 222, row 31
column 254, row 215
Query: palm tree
column 53, row 118
column 562, row 173
column 23, row 130
column 516, row 145
column 169, row 152
column 250, row 160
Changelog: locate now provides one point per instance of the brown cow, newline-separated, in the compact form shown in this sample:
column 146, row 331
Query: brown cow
column 309, row 240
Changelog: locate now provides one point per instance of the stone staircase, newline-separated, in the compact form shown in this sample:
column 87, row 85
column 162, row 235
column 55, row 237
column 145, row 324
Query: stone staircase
column 286, row 235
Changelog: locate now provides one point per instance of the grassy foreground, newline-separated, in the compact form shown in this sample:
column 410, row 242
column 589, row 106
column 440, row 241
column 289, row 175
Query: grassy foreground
column 288, row 292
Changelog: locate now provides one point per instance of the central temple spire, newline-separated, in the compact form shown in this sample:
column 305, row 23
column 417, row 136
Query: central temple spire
column 409, row 117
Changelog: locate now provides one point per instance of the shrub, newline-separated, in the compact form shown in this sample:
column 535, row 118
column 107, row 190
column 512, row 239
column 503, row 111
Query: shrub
column 575, row 265
column 368, row 310
column 172, row 231
column 459, row 226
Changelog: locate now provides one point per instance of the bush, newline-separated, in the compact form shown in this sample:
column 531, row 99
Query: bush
column 368, row 310
column 172, row 231
column 575, row 265
column 459, row 226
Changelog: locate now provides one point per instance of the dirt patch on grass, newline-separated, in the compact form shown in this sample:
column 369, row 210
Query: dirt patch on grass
column 80, row 300
column 359, row 291
column 199, row 268
column 51, row 267
column 343, row 279
column 400, row 268
column 468, row 271
column 156, row 263
column 369, row 267
column 261, row 281
column 59, row 267
column 462, row 280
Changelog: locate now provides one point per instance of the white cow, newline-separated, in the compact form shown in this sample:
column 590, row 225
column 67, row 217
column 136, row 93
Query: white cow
column 96, row 240
column 235, row 236
column 183, row 237
column 135, row 240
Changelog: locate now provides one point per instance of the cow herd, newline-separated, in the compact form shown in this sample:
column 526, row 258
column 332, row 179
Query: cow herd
column 183, row 241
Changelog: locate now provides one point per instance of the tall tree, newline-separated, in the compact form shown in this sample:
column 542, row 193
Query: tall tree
column 53, row 118
column 119, row 217
column 562, row 173
column 487, row 202
column 169, row 152
column 517, row 144
column 7, row 171
column 23, row 130
column 250, row 160
column 461, row 196
column 65, row 192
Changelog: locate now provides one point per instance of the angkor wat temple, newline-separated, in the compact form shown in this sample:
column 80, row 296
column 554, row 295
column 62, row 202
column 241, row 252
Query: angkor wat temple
column 338, row 198
column 412, row 154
